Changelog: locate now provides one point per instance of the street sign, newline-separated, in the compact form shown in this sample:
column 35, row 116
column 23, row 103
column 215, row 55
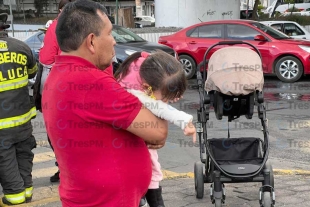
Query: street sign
column 7, row 2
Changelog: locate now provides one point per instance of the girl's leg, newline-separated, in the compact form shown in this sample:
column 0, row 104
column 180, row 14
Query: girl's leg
column 153, row 195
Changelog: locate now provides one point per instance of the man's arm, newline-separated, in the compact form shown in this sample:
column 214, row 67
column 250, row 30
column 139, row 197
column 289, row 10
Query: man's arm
column 123, row 111
column 149, row 127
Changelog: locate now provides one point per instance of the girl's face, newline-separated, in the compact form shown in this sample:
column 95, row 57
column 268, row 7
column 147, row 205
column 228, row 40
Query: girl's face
column 158, row 95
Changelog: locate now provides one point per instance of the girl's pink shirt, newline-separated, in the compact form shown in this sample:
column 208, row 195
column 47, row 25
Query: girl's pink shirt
column 133, row 79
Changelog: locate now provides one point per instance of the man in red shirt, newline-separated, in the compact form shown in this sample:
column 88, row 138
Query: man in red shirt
column 98, row 129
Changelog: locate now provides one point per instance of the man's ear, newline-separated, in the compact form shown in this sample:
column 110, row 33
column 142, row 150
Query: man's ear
column 90, row 43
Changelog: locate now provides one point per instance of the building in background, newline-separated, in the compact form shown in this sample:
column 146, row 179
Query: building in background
column 183, row 13
column 50, row 7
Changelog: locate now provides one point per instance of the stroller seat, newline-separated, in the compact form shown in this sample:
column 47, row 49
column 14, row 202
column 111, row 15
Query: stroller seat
column 232, row 84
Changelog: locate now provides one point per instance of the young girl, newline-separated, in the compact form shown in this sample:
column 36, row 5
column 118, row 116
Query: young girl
column 156, row 79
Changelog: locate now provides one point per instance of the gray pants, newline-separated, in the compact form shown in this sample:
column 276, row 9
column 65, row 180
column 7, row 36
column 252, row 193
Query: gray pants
column 45, row 73
column 16, row 162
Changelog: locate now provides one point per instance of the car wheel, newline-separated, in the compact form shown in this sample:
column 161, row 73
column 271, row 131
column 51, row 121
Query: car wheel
column 189, row 65
column 289, row 69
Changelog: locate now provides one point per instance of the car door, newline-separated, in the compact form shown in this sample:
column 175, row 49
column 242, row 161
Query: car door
column 294, row 31
column 200, row 38
column 241, row 32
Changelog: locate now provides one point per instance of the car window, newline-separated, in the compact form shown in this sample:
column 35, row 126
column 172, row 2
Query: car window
column 277, row 26
column 208, row 31
column 241, row 32
column 122, row 35
column 244, row 14
column 41, row 37
column 270, row 31
column 291, row 29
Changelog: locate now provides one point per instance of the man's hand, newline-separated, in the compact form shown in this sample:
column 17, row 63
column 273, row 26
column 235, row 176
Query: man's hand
column 155, row 145
column 158, row 146
column 190, row 130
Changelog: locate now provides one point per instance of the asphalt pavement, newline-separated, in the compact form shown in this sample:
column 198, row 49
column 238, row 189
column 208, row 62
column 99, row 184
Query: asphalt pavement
column 289, row 122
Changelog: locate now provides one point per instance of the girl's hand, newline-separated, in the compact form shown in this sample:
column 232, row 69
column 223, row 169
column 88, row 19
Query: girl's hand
column 175, row 100
column 190, row 130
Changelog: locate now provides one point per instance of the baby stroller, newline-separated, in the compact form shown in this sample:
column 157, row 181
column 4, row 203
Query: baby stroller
column 232, row 160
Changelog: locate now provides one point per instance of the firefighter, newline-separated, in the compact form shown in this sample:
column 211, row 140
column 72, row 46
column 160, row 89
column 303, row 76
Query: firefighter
column 17, row 65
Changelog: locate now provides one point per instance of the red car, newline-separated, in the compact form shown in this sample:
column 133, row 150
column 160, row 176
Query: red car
column 282, row 55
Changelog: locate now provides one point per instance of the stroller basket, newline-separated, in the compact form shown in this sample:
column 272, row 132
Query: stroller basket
column 238, row 156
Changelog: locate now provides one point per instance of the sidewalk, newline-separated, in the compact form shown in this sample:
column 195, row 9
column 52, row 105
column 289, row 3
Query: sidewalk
column 292, row 186
column 291, row 191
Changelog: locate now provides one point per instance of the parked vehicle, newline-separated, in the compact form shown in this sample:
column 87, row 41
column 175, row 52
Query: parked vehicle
column 282, row 55
column 292, row 29
column 247, row 14
column 145, row 18
column 127, row 43
column 144, row 21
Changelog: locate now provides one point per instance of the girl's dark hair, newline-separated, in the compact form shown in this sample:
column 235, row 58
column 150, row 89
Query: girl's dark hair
column 161, row 71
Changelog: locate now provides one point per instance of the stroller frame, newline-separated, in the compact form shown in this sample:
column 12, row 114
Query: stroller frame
column 214, row 173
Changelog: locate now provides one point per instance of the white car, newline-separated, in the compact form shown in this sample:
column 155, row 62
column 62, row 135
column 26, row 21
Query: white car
column 289, row 28
column 145, row 18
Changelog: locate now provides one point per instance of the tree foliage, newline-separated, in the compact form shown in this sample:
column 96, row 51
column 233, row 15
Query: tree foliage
column 39, row 5
column 255, row 8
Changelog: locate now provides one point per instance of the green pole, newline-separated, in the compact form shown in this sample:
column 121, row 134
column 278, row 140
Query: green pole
column 116, row 12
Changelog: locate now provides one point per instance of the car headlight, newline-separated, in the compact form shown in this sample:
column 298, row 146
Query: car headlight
column 130, row 52
column 305, row 48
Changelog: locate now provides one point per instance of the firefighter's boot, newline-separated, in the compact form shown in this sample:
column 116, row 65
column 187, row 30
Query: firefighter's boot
column 14, row 199
column 28, row 194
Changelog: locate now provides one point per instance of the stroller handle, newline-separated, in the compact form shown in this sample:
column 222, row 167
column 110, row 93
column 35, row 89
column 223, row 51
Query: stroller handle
column 238, row 43
column 231, row 42
column 204, row 61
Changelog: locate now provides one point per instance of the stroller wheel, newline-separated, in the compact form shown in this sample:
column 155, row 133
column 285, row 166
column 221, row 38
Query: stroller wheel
column 267, row 202
column 199, row 180
column 269, row 167
column 218, row 202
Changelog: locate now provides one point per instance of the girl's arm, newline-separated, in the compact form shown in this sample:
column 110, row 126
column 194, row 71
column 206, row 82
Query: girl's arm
column 163, row 110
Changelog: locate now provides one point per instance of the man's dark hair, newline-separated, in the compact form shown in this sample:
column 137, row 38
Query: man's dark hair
column 63, row 3
column 77, row 20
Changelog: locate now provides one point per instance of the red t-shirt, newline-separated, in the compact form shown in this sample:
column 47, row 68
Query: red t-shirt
column 86, row 112
column 50, row 46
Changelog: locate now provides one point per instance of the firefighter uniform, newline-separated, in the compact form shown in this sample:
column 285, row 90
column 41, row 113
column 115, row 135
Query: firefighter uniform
column 17, row 65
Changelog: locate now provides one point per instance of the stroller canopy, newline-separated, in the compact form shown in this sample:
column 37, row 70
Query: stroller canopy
column 235, row 71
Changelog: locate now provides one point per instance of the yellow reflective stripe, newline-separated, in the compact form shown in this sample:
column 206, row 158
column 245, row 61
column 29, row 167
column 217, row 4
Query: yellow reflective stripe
column 17, row 120
column 33, row 70
column 14, row 84
column 16, row 198
column 29, row 192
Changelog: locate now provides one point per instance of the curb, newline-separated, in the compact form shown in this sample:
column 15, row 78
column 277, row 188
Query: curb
column 173, row 175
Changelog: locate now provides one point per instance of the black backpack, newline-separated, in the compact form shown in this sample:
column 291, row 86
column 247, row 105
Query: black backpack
column 36, row 88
